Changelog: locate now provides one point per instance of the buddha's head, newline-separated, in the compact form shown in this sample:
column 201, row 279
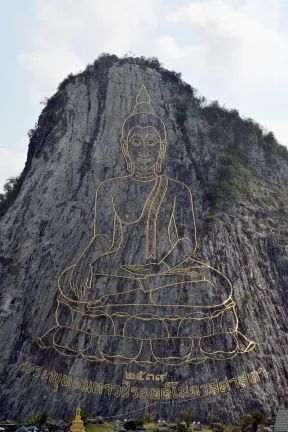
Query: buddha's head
column 143, row 138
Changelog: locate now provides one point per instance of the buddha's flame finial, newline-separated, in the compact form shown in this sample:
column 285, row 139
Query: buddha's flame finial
column 143, row 102
column 143, row 96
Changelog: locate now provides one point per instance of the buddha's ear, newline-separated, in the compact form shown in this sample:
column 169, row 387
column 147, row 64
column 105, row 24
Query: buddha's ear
column 163, row 148
column 124, row 145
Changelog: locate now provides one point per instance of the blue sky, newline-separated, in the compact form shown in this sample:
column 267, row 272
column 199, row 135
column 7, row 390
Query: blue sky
column 235, row 51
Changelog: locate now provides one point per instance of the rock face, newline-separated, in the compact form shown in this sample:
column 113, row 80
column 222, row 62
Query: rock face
column 238, row 177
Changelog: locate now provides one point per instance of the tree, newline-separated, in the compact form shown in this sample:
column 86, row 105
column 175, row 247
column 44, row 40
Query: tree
column 257, row 419
column 44, row 417
column 85, row 416
column 213, row 418
column 181, row 428
column 219, row 427
column 33, row 130
column 187, row 415
column 8, row 186
column 32, row 420
column 130, row 54
column 270, row 138
column 149, row 418
column 11, row 188
column 132, row 424
column 44, row 101
column 30, row 133
column 244, row 422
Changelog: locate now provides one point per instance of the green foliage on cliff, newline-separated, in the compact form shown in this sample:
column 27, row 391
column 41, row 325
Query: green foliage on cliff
column 214, row 114
column 209, row 222
column 248, row 297
column 181, row 113
column 11, row 189
column 232, row 181
column 269, row 201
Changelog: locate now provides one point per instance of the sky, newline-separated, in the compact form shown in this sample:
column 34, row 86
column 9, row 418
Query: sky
column 233, row 51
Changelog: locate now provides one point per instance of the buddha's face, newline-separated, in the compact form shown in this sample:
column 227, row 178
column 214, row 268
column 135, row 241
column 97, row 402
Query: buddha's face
column 144, row 147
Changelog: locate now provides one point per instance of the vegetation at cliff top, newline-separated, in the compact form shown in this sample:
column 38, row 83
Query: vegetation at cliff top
column 211, row 111
column 152, row 62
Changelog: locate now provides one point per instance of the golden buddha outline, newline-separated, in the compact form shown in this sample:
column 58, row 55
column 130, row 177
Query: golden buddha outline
column 136, row 295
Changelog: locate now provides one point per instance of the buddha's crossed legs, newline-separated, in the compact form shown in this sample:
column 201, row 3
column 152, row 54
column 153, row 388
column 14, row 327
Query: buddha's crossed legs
column 142, row 325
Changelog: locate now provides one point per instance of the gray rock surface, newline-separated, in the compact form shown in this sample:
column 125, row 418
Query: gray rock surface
column 241, row 210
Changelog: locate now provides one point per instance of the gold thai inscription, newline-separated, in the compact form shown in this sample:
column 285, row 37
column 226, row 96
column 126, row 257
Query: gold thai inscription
column 168, row 391
column 145, row 376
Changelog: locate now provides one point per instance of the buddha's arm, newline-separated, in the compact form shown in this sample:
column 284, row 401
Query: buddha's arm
column 103, row 224
column 104, row 219
column 183, row 227
column 101, row 242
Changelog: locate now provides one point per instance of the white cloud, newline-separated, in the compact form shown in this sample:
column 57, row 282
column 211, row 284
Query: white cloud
column 64, row 29
column 239, row 41
column 241, row 56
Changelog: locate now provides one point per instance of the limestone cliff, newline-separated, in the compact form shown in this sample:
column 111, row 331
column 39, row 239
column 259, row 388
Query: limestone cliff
column 239, row 179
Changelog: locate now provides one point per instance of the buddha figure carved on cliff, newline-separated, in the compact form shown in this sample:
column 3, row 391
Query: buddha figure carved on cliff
column 136, row 294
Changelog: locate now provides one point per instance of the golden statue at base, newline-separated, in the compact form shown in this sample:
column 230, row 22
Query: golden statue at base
column 136, row 293
column 77, row 425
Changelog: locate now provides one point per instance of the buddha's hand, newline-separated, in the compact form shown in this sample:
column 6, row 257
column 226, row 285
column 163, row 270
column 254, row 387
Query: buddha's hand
column 144, row 270
column 81, row 278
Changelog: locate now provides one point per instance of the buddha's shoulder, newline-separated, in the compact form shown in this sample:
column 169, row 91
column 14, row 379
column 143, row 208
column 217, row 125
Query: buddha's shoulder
column 112, row 184
column 178, row 186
